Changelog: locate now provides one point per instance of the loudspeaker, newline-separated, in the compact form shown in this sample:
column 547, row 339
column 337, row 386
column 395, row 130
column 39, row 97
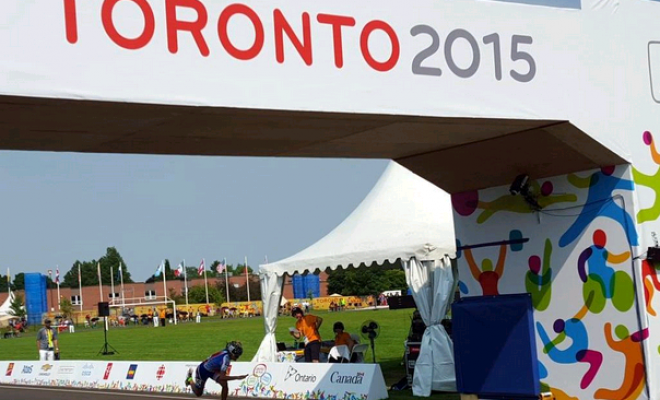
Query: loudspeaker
column 398, row 302
column 104, row 309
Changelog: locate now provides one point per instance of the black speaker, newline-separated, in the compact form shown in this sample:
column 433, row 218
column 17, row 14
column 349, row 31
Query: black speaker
column 104, row 309
column 398, row 302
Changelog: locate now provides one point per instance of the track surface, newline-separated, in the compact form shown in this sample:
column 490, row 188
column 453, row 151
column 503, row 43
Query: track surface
column 52, row 393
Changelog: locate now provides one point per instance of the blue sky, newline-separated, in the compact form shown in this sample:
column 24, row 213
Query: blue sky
column 59, row 207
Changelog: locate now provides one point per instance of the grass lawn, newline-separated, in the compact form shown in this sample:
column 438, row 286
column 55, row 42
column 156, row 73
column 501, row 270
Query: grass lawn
column 194, row 342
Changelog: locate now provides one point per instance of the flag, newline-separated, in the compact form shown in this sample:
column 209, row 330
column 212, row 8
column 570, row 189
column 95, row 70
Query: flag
column 179, row 271
column 221, row 267
column 200, row 270
column 161, row 269
column 57, row 276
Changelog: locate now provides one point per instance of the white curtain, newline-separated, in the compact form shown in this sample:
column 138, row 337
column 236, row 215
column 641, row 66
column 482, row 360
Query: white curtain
column 433, row 284
column 271, row 292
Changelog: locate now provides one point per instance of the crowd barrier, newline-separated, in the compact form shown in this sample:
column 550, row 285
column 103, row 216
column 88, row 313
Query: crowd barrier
column 265, row 380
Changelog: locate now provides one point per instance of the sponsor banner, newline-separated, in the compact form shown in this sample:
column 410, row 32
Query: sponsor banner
column 265, row 380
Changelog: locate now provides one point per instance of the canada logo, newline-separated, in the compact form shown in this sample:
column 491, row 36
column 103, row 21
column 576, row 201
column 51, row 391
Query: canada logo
column 160, row 372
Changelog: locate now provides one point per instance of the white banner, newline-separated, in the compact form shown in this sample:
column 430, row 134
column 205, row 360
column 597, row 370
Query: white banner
column 265, row 380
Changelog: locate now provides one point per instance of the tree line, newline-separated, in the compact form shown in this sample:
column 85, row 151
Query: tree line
column 111, row 260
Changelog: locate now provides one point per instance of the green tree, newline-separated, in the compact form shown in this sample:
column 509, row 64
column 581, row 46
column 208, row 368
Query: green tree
column 366, row 281
column 197, row 294
column 174, row 295
column 19, row 281
column 66, row 308
column 4, row 283
column 89, row 270
column 16, row 307
column 241, row 292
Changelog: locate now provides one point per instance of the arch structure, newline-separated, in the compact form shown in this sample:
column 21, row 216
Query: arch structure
column 562, row 96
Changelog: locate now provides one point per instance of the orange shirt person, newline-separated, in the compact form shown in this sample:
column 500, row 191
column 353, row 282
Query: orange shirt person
column 307, row 326
column 342, row 339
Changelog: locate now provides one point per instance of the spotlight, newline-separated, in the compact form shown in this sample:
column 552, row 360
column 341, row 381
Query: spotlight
column 653, row 254
column 520, row 185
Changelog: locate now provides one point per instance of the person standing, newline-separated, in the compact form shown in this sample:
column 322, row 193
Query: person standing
column 307, row 326
column 217, row 368
column 163, row 317
column 47, row 344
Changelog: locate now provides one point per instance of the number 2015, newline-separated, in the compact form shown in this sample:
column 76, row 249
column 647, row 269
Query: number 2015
column 517, row 54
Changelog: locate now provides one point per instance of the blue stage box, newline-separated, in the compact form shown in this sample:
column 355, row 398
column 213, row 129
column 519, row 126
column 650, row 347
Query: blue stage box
column 494, row 347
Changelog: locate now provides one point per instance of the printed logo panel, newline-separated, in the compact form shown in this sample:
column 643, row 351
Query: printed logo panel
column 108, row 368
column 131, row 371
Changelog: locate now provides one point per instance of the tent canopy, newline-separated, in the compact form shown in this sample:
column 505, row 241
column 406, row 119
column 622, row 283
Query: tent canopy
column 403, row 216
column 5, row 308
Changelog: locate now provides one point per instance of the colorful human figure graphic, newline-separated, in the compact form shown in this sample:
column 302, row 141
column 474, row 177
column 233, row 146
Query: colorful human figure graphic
column 651, row 284
column 466, row 203
column 600, row 203
column 538, row 280
column 651, row 181
column 486, row 276
column 633, row 378
column 578, row 351
column 602, row 282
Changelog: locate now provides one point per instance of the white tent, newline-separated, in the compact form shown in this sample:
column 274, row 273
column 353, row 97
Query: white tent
column 6, row 306
column 403, row 217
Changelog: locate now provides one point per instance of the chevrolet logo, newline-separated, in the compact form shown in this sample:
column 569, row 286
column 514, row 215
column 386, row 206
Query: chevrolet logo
column 46, row 367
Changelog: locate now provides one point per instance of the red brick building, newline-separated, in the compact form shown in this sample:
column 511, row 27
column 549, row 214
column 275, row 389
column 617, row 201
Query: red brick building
column 91, row 296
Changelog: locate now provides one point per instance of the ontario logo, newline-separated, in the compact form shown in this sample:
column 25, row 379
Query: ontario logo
column 10, row 369
column 131, row 371
column 160, row 372
column 293, row 373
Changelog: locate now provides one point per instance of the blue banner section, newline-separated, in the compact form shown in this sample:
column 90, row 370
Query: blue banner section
column 495, row 347
column 576, row 4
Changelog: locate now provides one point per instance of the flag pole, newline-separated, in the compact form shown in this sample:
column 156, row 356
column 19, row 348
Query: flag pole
column 9, row 282
column 121, row 280
column 80, row 288
column 247, row 280
column 112, row 285
column 226, row 278
column 165, row 283
column 98, row 270
column 206, row 283
column 185, row 282
column 58, row 286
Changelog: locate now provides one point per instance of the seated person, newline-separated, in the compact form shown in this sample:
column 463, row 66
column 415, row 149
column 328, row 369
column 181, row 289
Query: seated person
column 342, row 338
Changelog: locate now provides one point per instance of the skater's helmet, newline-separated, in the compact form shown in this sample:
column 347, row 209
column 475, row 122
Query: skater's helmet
column 235, row 349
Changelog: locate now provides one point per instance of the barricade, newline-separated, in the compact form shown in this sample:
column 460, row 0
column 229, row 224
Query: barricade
column 265, row 380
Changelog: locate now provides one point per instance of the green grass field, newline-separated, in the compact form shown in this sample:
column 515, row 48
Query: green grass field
column 194, row 342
